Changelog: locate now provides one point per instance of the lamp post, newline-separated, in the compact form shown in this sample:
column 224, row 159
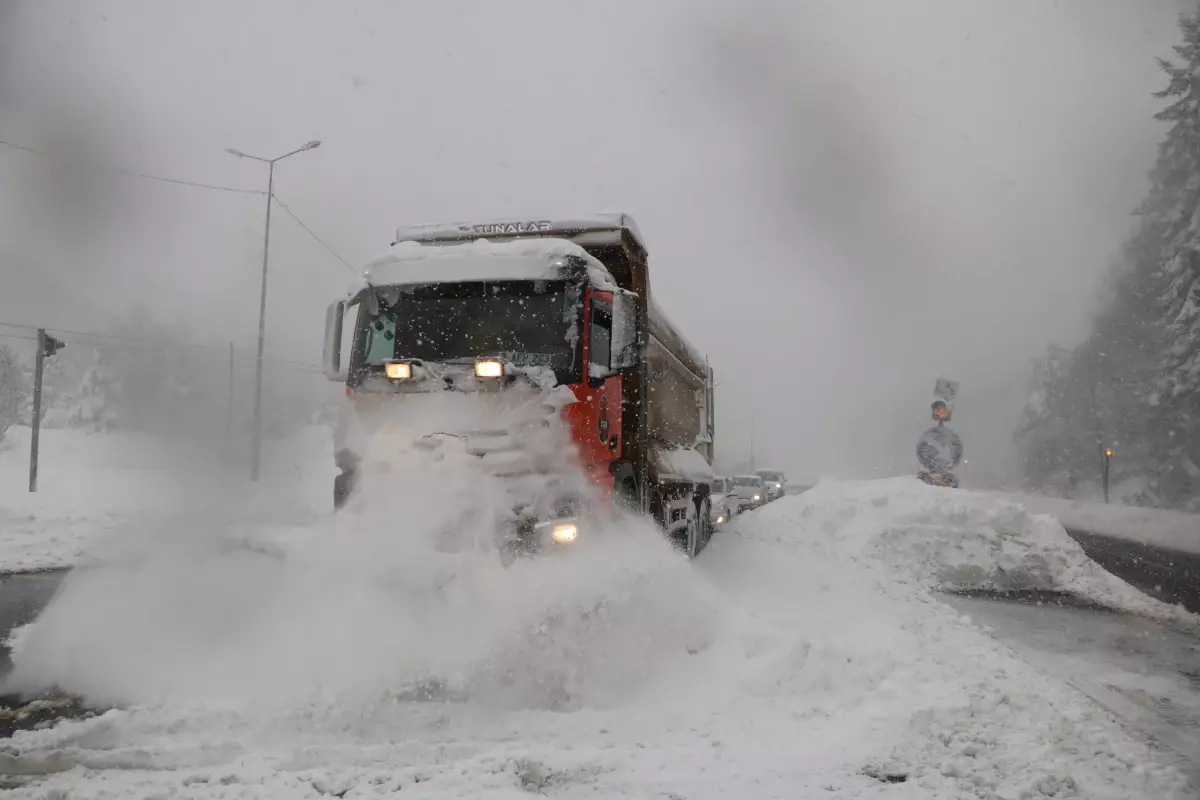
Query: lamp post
column 256, row 453
column 1107, row 470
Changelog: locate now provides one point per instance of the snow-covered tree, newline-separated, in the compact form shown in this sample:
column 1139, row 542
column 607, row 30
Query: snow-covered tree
column 92, row 404
column 13, row 389
column 1134, row 383
column 1171, row 230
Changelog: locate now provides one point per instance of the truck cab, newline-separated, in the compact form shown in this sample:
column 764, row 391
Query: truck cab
column 548, row 328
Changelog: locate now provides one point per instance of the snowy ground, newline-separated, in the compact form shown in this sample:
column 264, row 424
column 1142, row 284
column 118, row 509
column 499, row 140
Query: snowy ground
column 93, row 484
column 294, row 655
column 1171, row 530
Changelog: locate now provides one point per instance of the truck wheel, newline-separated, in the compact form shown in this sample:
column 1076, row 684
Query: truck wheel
column 703, row 527
column 625, row 498
column 699, row 530
column 691, row 538
column 343, row 485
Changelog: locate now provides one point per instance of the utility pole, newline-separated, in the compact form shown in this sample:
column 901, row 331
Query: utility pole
column 256, row 453
column 1107, row 469
column 47, row 346
column 752, row 463
column 229, row 399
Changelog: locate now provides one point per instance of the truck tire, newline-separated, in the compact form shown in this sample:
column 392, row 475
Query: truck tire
column 343, row 485
column 625, row 497
column 699, row 530
column 703, row 525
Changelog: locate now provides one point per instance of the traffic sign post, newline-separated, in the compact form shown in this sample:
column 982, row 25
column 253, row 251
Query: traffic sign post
column 940, row 450
column 47, row 346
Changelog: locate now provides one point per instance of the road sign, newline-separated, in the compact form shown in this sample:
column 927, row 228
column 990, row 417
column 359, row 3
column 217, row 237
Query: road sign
column 939, row 449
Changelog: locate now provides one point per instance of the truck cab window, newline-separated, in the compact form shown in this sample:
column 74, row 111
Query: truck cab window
column 379, row 338
column 600, row 338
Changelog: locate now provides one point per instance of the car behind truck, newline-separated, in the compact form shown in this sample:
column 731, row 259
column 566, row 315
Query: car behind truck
column 555, row 317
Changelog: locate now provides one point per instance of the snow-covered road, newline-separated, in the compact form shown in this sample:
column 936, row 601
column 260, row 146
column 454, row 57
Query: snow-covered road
column 807, row 653
column 1144, row 672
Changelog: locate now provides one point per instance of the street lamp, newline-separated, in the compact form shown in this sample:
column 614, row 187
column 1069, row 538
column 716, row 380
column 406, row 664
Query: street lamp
column 256, row 456
column 1107, row 470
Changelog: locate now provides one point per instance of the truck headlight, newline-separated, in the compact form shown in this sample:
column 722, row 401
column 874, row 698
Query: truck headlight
column 491, row 368
column 397, row 370
column 758, row 497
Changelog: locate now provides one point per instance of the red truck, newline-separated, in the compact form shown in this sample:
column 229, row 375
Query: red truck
column 474, row 315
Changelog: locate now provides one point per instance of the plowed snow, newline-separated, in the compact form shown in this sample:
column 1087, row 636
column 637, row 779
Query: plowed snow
column 803, row 655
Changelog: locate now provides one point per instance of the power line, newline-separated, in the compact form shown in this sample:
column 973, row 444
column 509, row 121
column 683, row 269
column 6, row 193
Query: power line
column 134, row 174
column 94, row 339
column 319, row 240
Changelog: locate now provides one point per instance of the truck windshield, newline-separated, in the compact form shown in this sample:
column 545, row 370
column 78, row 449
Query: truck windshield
column 529, row 323
column 774, row 477
column 747, row 481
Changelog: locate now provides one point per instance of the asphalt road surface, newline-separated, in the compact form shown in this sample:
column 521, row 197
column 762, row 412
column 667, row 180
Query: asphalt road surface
column 22, row 596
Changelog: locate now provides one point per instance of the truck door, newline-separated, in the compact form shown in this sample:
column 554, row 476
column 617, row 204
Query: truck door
column 602, row 445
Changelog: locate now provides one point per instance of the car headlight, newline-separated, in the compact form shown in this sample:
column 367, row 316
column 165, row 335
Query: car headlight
column 758, row 497
column 489, row 368
column 397, row 370
column 720, row 519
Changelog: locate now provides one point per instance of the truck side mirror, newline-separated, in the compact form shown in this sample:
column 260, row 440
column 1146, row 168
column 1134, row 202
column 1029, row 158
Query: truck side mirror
column 331, row 358
column 626, row 347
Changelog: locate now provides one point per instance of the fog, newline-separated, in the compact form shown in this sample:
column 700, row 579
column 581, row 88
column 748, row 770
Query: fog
column 843, row 201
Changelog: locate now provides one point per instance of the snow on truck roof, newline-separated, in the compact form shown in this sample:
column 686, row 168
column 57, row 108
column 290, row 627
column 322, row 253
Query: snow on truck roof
column 566, row 228
column 480, row 260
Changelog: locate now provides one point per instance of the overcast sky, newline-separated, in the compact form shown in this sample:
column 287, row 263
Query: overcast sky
column 842, row 200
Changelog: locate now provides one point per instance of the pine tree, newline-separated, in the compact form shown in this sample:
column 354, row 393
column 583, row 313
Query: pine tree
column 1134, row 382
column 13, row 389
column 93, row 403
column 1171, row 226
column 1050, row 435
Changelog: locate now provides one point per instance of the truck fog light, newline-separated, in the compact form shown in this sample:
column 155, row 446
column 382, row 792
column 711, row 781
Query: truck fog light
column 564, row 532
column 490, row 368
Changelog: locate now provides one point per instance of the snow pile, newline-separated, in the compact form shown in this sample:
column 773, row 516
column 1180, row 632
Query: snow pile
column 801, row 656
column 961, row 541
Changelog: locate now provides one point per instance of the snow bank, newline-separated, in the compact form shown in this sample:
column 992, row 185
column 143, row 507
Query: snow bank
column 1171, row 530
column 801, row 655
column 956, row 540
